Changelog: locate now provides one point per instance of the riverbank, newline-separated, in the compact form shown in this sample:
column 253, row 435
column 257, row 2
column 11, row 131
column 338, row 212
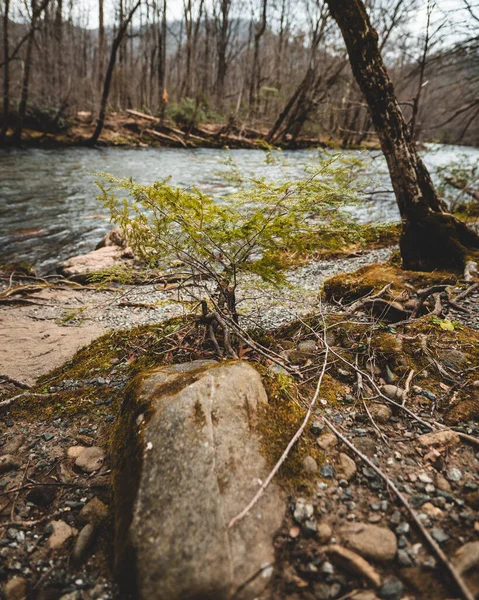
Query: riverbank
column 56, row 506
column 132, row 129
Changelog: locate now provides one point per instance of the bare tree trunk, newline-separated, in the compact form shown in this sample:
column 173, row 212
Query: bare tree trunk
column 6, row 73
column 101, row 41
column 22, row 108
column 431, row 238
column 109, row 73
column 255, row 76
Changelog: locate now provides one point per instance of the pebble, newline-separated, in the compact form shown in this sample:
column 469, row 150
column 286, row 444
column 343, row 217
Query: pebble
column 310, row 465
column 392, row 589
column 316, row 427
column 327, row 471
column 60, row 533
column 93, row 512
column 91, row 459
column 454, row 474
column 83, row 542
column 327, row 440
column 380, row 413
column 424, row 478
column 403, row 529
column 347, row 467
column 404, row 559
column 323, row 533
column 432, row 511
column 370, row 541
column 439, row 535
column 302, row 511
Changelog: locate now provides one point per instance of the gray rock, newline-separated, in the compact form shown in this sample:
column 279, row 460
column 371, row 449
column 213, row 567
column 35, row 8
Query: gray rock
column 403, row 558
column 392, row 589
column 439, row 535
column 91, row 459
column 84, row 542
column 454, row 474
column 303, row 510
column 187, row 457
column 370, row 541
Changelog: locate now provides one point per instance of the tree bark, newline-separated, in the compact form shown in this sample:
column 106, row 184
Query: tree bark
column 22, row 108
column 431, row 238
column 109, row 73
column 6, row 73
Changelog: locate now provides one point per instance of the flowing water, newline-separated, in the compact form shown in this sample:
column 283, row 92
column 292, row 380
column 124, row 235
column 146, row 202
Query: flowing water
column 49, row 210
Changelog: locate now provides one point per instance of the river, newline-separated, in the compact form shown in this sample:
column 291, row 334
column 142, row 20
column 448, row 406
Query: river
column 49, row 210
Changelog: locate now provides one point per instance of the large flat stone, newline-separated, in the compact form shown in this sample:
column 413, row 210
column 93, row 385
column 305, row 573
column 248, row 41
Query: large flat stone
column 187, row 459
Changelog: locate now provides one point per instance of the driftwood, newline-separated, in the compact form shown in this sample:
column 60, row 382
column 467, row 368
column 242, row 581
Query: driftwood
column 164, row 136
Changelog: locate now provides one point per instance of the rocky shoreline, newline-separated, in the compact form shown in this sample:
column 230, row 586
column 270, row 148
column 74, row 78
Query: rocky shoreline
column 343, row 532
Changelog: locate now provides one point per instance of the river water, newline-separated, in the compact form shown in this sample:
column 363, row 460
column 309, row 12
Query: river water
column 49, row 210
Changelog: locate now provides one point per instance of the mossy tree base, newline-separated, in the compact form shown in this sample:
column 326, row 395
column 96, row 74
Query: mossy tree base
column 437, row 241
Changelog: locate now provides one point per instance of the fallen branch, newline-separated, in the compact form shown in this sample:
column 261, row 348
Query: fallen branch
column 10, row 401
column 432, row 543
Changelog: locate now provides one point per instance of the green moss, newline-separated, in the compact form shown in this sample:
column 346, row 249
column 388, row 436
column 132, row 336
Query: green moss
column 278, row 423
column 373, row 278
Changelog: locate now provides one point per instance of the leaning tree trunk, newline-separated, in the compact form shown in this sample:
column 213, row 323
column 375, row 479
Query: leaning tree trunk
column 109, row 74
column 431, row 238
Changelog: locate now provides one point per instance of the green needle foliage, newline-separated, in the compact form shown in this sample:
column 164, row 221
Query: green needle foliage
column 218, row 240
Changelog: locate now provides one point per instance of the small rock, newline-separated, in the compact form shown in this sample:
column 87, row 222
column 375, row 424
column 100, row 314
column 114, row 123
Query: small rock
column 439, row 535
column 316, row 427
column 393, row 392
column 381, row 413
column 91, row 459
column 370, row 541
column 353, row 563
column 327, row 471
column 432, row 511
column 75, row 451
column 403, row 529
column 327, row 440
column 424, row 478
column 93, row 512
column 61, row 532
column 310, row 465
column 439, row 438
column 302, row 510
column 48, row 436
column 347, row 467
column 454, row 474
column 392, row 589
column 308, row 528
column 9, row 462
column 308, row 346
column 16, row 588
column 442, row 483
column 85, row 540
column 365, row 595
column 323, row 533
column 404, row 559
